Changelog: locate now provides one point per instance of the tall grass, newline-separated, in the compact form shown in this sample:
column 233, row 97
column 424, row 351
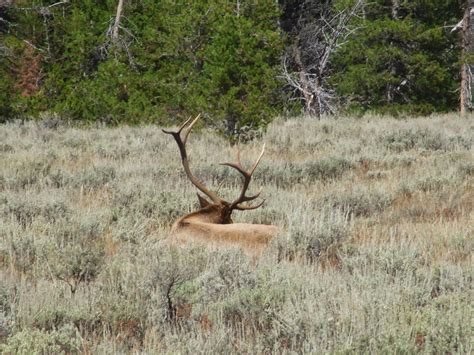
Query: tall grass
column 374, row 254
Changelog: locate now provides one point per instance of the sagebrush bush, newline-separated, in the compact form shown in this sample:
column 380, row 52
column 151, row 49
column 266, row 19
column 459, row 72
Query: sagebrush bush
column 63, row 340
column 6, row 148
column 466, row 169
column 431, row 183
column 254, row 307
column 59, row 178
column 94, row 177
column 162, row 207
column 359, row 202
column 311, row 236
column 26, row 173
column 233, row 272
column 326, row 169
column 171, row 273
column 410, row 139
column 7, row 306
column 289, row 173
column 26, row 210
column 125, row 303
column 22, row 253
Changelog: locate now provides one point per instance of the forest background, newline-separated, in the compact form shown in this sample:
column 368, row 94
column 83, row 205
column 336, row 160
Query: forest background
column 240, row 63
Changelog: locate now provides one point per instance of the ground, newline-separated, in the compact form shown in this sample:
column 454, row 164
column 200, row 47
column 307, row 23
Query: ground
column 374, row 254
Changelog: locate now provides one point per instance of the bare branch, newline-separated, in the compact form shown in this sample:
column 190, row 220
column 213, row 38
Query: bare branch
column 42, row 9
column 310, row 55
column 33, row 46
column 118, row 37
column 457, row 26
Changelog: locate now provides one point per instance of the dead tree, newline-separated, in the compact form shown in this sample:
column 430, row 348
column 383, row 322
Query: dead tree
column 466, row 104
column 319, row 33
column 467, row 67
column 118, row 17
column 118, row 37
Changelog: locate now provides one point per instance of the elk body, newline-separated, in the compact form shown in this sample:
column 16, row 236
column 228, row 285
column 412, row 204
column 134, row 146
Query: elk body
column 212, row 224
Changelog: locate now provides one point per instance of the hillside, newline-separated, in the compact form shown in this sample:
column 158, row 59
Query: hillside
column 374, row 254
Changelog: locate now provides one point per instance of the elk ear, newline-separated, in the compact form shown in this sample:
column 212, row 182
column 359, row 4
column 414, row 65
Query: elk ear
column 202, row 201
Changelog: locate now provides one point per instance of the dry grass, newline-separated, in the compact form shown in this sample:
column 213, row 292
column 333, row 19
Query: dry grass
column 375, row 254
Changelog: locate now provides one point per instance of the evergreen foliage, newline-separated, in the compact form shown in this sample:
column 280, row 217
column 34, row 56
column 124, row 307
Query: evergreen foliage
column 219, row 58
column 173, row 59
column 402, row 59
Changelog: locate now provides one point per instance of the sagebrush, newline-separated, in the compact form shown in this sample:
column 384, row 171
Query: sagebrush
column 374, row 255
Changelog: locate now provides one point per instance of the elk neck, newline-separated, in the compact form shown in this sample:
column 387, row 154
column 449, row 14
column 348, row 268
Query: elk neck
column 213, row 213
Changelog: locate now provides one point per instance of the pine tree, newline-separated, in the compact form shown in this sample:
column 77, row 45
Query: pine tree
column 164, row 60
column 402, row 59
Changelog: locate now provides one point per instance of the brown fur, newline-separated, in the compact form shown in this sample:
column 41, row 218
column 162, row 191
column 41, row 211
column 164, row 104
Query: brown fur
column 201, row 227
column 212, row 224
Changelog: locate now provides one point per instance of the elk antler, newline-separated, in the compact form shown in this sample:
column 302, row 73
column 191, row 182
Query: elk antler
column 247, row 176
column 186, row 126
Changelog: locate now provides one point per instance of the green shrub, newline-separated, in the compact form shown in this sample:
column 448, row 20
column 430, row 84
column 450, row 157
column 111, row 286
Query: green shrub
column 326, row 169
column 23, row 253
column 6, row 148
column 59, row 178
column 267, row 215
column 289, row 173
column 313, row 237
column 252, row 308
column 8, row 304
column 74, row 262
column 23, row 174
column 403, row 140
column 433, row 183
column 173, row 271
column 94, row 177
column 231, row 271
column 26, row 210
column 466, row 169
column 359, row 203
column 65, row 340
column 163, row 207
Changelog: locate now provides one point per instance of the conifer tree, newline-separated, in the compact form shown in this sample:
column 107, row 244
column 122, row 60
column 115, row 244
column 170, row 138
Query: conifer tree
column 403, row 58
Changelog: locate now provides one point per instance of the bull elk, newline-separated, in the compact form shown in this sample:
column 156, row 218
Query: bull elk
column 212, row 224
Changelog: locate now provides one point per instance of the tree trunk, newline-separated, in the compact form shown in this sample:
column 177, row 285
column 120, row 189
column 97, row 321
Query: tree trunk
column 118, row 16
column 468, row 58
column 392, row 69
column 395, row 9
column 308, row 95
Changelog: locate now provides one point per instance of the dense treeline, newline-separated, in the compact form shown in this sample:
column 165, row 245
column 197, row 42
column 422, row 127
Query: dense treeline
column 404, row 58
column 167, row 59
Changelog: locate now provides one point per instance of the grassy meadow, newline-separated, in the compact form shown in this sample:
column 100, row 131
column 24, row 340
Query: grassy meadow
column 374, row 254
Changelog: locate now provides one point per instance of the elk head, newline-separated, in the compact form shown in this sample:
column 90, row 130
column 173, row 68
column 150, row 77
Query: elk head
column 217, row 210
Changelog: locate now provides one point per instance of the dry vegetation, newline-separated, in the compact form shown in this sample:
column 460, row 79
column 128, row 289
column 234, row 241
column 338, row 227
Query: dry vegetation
column 375, row 254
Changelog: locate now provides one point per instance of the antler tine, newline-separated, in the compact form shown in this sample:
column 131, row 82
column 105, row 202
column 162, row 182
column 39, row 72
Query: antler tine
column 238, row 165
column 247, row 176
column 238, row 156
column 258, row 160
column 250, row 198
column 190, row 127
column 181, row 141
column 180, row 127
column 246, row 208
